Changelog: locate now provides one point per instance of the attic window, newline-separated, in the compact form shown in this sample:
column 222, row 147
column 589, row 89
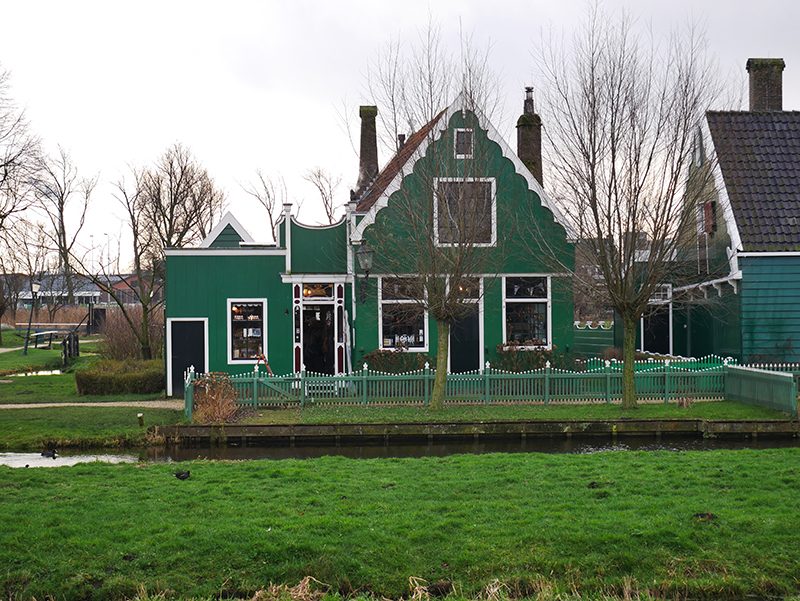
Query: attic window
column 710, row 217
column 464, row 144
column 465, row 212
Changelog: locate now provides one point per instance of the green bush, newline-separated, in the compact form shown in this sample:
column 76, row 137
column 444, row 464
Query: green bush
column 121, row 377
column 398, row 361
column 516, row 358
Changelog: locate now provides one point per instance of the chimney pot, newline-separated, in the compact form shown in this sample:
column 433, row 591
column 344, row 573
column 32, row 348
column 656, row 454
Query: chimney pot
column 766, row 83
column 529, row 137
column 368, row 160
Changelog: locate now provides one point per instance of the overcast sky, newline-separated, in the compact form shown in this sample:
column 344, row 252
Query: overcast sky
column 261, row 84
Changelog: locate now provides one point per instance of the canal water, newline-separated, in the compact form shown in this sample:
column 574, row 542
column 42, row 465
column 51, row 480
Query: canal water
column 231, row 452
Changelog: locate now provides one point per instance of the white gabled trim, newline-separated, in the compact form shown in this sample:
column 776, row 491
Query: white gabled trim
column 441, row 126
column 732, row 279
column 225, row 252
column 773, row 253
column 227, row 220
column 724, row 201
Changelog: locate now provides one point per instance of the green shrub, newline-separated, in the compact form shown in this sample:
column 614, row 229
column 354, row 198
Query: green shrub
column 398, row 361
column 516, row 358
column 121, row 377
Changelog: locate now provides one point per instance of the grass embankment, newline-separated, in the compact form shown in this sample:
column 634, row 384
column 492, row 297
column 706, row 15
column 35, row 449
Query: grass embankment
column 719, row 524
column 67, row 426
column 397, row 414
column 83, row 427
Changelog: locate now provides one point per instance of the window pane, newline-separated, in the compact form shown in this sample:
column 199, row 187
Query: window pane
column 470, row 287
column 247, row 326
column 526, row 323
column 526, row 287
column 465, row 212
column 401, row 288
column 403, row 326
column 464, row 143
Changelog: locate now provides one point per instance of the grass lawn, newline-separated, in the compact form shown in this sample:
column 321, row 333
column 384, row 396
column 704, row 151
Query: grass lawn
column 63, row 427
column 700, row 525
column 390, row 414
column 36, row 359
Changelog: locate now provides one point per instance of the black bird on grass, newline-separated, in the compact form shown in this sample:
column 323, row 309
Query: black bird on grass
column 182, row 475
column 50, row 454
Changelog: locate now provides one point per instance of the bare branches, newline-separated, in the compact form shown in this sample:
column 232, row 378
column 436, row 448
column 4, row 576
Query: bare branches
column 326, row 184
column 622, row 110
column 272, row 195
column 56, row 189
column 179, row 198
column 19, row 151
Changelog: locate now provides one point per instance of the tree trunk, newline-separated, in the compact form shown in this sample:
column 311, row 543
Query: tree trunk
column 629, row 324
column 440, row 382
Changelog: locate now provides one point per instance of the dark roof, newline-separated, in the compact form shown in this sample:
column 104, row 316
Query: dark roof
column 759, row 155
column 385, row 177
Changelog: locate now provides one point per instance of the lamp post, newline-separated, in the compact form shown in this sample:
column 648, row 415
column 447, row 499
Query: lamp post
column 34, row 291
column 364, row 256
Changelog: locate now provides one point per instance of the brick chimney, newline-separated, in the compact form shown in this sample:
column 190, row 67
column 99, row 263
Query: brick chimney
column 529, row 137
column 766, row 83
column 368, row 160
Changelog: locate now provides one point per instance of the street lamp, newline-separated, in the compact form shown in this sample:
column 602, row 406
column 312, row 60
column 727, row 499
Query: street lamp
column 364, row 256
column 34, row 290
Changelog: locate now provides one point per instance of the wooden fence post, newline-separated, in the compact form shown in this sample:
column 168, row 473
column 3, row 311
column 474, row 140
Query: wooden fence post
column 486, row 384
column 608, row 382
column 364, row 384
column 255, row 386
column 427, row 383
column 547, row 383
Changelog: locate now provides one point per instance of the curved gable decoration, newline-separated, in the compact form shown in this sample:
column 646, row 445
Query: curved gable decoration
column 438, row 126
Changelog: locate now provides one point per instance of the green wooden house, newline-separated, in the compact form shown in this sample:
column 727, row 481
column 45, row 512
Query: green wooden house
column 303, row 302
column 745, row 302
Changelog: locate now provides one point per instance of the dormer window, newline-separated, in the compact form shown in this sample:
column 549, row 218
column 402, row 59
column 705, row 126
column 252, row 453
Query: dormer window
column 464, row 144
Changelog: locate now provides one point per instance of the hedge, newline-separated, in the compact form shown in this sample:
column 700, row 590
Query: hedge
column 121, row 377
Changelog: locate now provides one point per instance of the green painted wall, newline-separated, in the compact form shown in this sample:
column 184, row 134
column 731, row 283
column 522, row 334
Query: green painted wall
column 199, row 285
column 708, row 326
column 319, row 250
column 227, row 238
column 770, row 311
column 523, row 224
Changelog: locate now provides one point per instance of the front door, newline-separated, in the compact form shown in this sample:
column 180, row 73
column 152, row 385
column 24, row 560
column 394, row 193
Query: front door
column 318, row 341
column 187, row 344
column 465, row 343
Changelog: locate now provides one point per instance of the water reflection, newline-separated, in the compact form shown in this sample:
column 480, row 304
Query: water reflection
column 575, row 445
column 36, row 459
column 52, row 372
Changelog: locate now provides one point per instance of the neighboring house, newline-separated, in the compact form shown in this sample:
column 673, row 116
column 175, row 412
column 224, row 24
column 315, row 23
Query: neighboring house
column 750, row 224
column 54, row 291
column 124, row 287
column 299, row 301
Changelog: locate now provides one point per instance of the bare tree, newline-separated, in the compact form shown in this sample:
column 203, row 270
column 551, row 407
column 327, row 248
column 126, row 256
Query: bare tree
column 19, row 150
column 442, row 238
column 179, row 198
column 64, row 198
column 145, row 284
column 622, row 109
column 272, row 196
column 327, row 185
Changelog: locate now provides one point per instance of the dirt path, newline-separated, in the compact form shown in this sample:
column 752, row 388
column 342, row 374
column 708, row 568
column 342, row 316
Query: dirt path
column 162, row 404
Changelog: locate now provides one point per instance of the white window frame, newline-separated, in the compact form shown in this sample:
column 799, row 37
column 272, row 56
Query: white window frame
column 457, row 131
column 493, row 183
column 229, row 342
column 416, row 349
column 547, row 299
